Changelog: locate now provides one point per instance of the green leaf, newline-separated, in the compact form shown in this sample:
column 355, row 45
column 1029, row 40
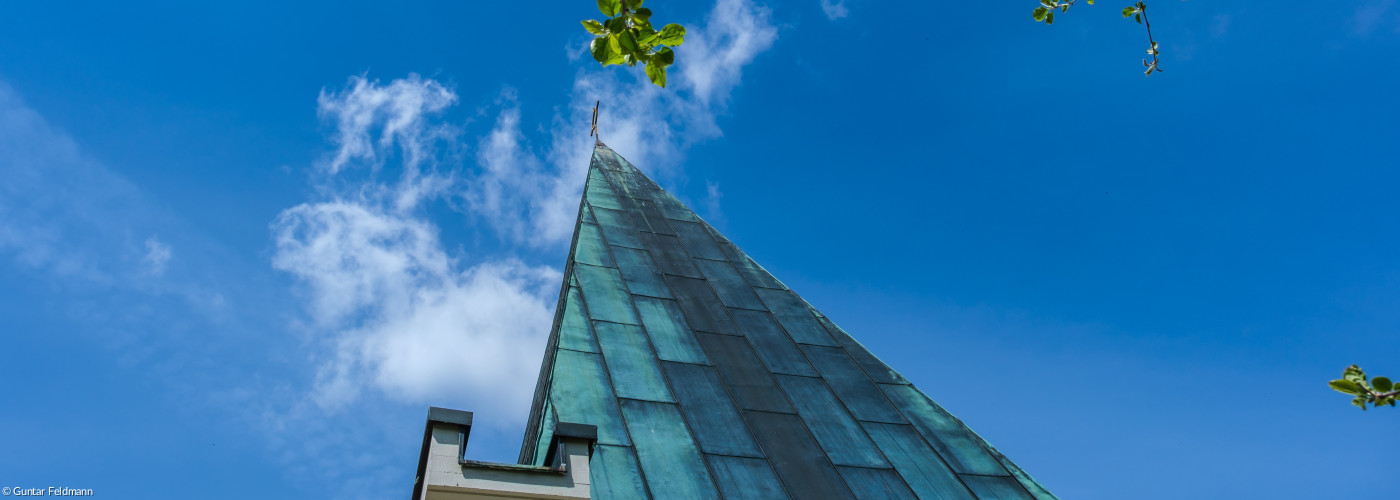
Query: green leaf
column 1128, row 11
column 1138, row 17
column 599, row 49
column 604, row 52
column 610, row 8
column 1382, row 384
column 1050, row 18
column 634, row 3
column 664, row 57
column 641, row 13
column 647, row 36
column 616, row 25
column 1346, row 386
column 657, row 74
column 615, row 49
column 1091, row 2
column 1039, row 13
column 594, row 27
column 1359, row 402
column 627, row 42
column 671, row 34
column 642, row 21
column 1048, row 4
column 1354, row 373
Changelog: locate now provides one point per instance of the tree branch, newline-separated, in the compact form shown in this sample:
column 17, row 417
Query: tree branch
column 1376, row 391
column 1142, row 10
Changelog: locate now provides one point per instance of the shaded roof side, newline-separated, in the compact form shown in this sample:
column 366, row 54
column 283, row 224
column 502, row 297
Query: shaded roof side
column 709, row 378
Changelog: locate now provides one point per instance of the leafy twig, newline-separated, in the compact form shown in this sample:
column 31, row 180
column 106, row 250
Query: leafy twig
column 1139, row 13
column 628, row 38
column 1045, row 13
column 1378, row 391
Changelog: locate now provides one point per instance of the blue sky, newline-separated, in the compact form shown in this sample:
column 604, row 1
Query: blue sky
column 244, row 246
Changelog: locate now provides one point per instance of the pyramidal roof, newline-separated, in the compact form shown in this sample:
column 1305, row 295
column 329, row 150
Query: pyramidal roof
column 708, row 378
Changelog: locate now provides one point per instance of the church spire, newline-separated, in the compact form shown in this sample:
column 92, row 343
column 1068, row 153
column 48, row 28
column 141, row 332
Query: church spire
column 708, row 378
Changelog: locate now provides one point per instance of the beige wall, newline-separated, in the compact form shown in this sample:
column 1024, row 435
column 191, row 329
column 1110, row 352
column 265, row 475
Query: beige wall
column 449, row 479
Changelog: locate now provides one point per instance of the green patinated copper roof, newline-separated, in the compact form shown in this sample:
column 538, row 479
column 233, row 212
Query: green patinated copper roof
column 708, row 378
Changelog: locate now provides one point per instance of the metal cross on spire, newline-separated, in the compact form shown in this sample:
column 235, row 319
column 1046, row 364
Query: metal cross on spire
column 594, row 131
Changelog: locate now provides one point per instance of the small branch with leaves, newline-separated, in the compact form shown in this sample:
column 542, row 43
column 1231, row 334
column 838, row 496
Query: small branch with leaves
column 1376, row 392
column 1139, row 13
column 627, row 37
column 1045, row 13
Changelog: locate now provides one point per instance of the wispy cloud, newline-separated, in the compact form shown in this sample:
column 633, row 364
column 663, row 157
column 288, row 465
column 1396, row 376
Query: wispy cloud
column 510, row 179
column 375, row 124
column 735, row 32
column 389, row 312
column 401, row 317
column 157, row 255
column 713, row 214
column 835, row 10
column 652, row 127
column 395, row 312
column 57, row 205
column 1221, row 26
column 74, row 220
column 79, row 231
column 395, row 113
column 1373, row 13
column 392, row 314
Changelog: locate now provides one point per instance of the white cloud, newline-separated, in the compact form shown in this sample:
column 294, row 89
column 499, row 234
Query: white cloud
column 510, row 181
column 713, row 214
column 395, row 110
column 487, row 327
column 353, row 253
column 835, row 10
column 55, row 201
column 394, row 314
column 73, row 219
column 157, row 255
column 403, row 319
column 735, row 32
column 1374, row 13
column 393, row 310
